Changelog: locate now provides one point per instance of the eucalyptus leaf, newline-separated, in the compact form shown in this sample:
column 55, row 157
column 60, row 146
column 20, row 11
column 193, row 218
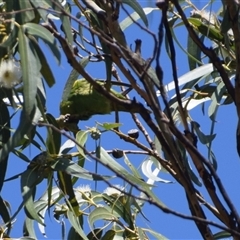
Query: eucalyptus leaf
column 216, row 98
column 4, row 137
column 76, row 225
column 29, row 179
column 81, row 138
column 135, row 16
column 25, row 125
column 192, row 75
column 152, row 175
column 28, row 228
column 4, row 211
column 110, row 235
column 131, row 166
column 30, row 71
column 26, row 15
column 222, row 235
column 67, row 146
column 120, row 207
column 46, row 71
column 95, row 234
column 73, row 169
column 194, row 53
column 204, row 139
column 67, row 28
column 53, row 141
column 209, row 31
column 138, row 9
column 110, row 126
column 100, row 213
column 41, row 32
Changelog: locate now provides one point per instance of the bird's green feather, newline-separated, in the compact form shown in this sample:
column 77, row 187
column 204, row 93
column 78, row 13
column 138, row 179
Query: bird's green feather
column 85, row 101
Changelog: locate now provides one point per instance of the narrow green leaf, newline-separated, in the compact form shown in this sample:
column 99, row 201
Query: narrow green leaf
column 41, row 32
column 120, row 207
column 222, row 235
column 26, row 15
column 80, row 31
column 216, row 99
column 204, row 139
column 100, row 213
column 95, row 234
column 67, row 28
column 135, row 16
column 110, row 126
column 131, row 166
column 25, row 125
column 4, row 137
column 152, row 175
column 109, row 235
column 192, row 174
column 28, row 228
column 192, row 75
column 41, row 99
column 141, row 234
column 41, row 207
column 67, row 146
column 76, row 225
column 81, row 138
column 194, row 53
column 42, row 12
column 207, row 30
column 71, row 168
column 72, row 234
column 187, row 165
column 53, row 141
column 4, row 211
column 30, row 72
column 108, row 60
column 29, row 179
column 138, row 9
column 226, row 22
column 46, row 71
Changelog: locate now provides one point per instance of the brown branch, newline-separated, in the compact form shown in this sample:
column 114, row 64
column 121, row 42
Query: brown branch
column 190, row 191
column 149, row 199
column 207, row 179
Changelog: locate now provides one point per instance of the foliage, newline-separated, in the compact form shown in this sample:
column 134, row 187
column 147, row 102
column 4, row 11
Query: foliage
column 87, row 33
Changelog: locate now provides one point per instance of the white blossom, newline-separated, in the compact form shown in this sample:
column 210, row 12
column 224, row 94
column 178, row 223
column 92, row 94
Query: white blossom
column 83, row 189
column 116, row 190
column 10, row 73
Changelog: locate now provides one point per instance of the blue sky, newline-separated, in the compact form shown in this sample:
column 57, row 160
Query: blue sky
column 172, row 195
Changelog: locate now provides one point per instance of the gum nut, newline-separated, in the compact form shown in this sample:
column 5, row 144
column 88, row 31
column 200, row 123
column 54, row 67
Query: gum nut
column 134, row 133
column 117, row 153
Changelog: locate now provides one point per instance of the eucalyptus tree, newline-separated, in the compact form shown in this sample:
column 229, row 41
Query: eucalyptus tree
column 111, row 76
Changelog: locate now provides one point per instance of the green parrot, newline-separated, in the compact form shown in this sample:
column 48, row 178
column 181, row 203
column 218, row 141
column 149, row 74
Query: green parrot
column 84, row 101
